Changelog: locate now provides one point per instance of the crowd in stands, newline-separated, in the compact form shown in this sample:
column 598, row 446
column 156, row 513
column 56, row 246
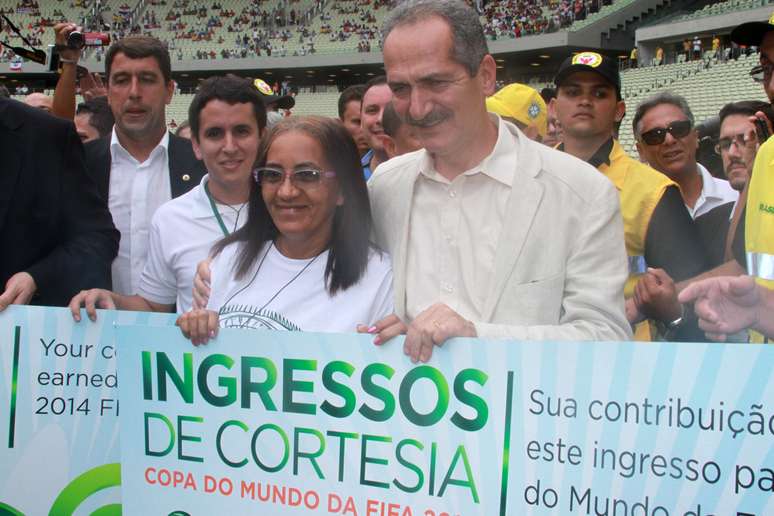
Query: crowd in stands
column 518, row 18
column 260, row 30
column 255, row 29
column 266, row 31
column 701, row 49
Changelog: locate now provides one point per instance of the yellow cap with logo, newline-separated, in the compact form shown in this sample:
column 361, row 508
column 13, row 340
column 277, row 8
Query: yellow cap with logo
column 263, row 87
column 522, row 103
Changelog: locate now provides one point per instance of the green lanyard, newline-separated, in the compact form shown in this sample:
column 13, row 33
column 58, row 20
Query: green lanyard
column 215, row 210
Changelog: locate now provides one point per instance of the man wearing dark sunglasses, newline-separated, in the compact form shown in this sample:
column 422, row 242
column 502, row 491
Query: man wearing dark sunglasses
column 659, row 232
column 667, row 140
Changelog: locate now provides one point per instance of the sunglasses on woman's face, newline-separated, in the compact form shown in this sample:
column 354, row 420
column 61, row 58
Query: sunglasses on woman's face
column 678, row 129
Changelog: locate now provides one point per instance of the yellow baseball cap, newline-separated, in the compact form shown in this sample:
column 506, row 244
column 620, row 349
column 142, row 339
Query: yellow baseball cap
column 522, row 103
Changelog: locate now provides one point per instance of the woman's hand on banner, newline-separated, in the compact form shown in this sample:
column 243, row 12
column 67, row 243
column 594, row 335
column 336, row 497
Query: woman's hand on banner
column 385, row 329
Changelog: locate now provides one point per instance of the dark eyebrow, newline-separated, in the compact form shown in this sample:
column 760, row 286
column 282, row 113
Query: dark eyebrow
column 424, row 78
column 308, row 164
column 600, row 84
column 305, row 164
column 438, row 76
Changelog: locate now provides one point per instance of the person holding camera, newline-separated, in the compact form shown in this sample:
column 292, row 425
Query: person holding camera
column 69, row 46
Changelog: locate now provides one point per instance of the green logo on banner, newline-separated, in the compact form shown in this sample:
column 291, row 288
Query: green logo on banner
column 85, row 485
column 7, row 510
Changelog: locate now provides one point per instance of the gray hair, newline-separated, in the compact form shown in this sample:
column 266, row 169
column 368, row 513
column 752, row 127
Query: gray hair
column 665, row 97
column 468, row 40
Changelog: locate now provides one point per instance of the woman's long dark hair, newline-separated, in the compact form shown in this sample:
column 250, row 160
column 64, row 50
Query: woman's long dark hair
column 349, row 245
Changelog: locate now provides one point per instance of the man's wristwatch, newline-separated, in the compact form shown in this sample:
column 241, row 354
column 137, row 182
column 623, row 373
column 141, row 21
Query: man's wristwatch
column 669, row 329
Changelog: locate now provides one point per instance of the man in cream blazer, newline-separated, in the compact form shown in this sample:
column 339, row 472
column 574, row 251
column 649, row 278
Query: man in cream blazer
column 560, row 262
column 491, row 235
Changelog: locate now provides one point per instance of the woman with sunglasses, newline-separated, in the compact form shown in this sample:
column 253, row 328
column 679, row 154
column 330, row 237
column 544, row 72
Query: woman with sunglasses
column 303, row 260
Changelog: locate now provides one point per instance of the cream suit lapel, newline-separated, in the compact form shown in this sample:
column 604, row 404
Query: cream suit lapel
column 399, row 240
column 526, row 195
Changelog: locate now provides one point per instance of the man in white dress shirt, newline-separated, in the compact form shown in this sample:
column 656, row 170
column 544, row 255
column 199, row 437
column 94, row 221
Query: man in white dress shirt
column 492, row 235
column 141, row 165
column 227, row 118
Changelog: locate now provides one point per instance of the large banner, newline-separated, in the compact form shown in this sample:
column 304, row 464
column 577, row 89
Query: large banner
column 262, row 422
column 59, row 446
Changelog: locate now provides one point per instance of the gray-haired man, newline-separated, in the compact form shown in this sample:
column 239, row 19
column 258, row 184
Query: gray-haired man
column 667, row 140
column 492, row 235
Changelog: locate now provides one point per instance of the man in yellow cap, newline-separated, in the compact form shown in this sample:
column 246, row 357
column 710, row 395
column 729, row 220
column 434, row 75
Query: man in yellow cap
column 522, row 106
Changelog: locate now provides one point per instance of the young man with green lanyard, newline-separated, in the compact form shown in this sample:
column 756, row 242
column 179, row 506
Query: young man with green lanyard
column 227, row 118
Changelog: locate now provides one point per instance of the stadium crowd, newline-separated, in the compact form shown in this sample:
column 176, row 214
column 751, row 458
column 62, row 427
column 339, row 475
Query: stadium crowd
column 434, row 207
column 264, row 31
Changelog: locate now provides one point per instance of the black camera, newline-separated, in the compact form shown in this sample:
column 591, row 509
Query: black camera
column 77, row 39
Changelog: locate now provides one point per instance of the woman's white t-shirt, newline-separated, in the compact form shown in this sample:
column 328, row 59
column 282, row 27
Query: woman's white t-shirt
column 281, row 293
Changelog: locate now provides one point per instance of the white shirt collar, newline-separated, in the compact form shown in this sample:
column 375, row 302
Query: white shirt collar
column 709, row 189
column 201, row 208
column 498, row 165
column 117, row 149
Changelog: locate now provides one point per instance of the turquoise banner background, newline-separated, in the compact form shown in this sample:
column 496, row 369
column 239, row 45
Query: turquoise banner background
column 540, row 432
column 61, row 460
column 55, row 462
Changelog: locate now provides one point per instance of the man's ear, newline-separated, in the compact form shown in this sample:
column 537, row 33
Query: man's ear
column 196, row 149
column 390, row 148
column 170, row 90
column 487, row 74
column 551, row 108
column 620, row 111
column 639, row 151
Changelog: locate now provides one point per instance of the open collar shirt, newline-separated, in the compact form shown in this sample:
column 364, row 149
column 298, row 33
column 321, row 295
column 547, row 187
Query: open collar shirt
column 136, row 191
column 182, row 234
column 714, row 192
column 455, row 228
